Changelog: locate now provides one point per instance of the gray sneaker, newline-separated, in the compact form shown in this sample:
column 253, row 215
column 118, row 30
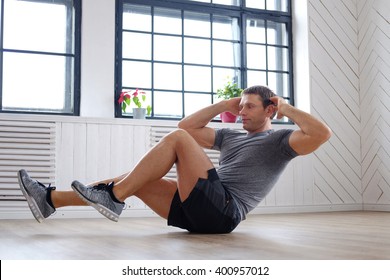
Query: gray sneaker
column 36, row 195
column 101, row 198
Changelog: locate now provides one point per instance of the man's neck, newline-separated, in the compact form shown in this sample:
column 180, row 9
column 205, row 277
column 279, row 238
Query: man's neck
column 265, row 127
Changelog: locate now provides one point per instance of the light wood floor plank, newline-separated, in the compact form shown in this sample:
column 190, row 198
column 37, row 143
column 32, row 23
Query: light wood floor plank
column 318, row 236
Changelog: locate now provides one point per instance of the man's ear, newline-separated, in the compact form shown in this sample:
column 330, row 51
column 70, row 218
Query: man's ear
column 271, row 110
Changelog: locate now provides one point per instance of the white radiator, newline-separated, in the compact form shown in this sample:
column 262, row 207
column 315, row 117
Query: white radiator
column 157, row 132
column 29, row 145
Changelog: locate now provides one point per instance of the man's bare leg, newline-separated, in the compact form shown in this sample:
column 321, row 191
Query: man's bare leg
column 177, row 147
column 146, row 179
column 157, row 195
column 70, row 198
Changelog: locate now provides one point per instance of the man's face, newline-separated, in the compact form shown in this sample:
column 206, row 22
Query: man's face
column 255, row 118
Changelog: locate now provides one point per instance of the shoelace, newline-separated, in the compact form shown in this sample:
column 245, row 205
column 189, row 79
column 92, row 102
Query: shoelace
column 46, row 188
column 100, row 187
column 104, row 187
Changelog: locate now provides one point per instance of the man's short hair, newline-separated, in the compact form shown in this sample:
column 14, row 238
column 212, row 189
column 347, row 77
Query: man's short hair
column 263, row 92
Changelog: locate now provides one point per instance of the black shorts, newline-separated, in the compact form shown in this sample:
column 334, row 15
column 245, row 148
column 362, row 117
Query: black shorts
column 208, row 209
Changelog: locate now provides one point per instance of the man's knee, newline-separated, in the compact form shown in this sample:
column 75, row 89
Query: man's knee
column 178, row 134
column 181, row 140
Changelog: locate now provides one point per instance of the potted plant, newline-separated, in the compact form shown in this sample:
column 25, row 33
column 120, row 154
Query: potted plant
column 230, row 90
column 137, row 97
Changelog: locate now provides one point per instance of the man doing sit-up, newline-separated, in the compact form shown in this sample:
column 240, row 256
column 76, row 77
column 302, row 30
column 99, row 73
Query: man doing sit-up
column 201, row 199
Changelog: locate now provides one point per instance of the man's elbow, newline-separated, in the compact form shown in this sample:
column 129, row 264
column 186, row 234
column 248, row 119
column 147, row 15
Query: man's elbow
column 327, row 133
column 182, row 125
column 324, row 134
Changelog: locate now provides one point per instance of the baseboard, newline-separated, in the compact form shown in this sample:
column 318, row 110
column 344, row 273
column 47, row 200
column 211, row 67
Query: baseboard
column 306, row 209
column 376, row 207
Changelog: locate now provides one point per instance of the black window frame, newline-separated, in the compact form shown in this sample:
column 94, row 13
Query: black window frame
column 75, row 72
column 235, row 11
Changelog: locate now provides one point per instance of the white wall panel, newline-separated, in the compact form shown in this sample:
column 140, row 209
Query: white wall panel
column 350, row 86
column 334, row 77
column 374, row 70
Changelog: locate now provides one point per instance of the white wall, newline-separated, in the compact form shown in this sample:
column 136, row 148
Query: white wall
column 301, row 55
column 97, row 58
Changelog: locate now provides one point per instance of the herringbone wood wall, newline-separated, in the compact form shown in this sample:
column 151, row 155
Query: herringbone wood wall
column 350, row 87
column 374, row 71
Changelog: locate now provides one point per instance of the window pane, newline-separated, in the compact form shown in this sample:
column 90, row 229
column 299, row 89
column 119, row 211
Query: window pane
column 167, row 76
column 137, row 45
column 256, row 4
column 204, row 1
column 26, row 88
column 226, row 54
column 136, row 74
column 255, row 31
column 167, row 48
column 168, row 104
column 256, row 78
column 277, row 5
column 256, row 56
column 225, row 28
column 277, row 33
column 194, row 102
column 137, row 18
column 227, row 2
column 36, row 26
column 277, row 59
column 222, row 75
column 196, row 24
column 167, row 21
column 197, row 78
column 197, row 51
column 279, row 83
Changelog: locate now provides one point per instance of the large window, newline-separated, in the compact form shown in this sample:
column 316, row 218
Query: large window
column 181, row 52
column 40, row 56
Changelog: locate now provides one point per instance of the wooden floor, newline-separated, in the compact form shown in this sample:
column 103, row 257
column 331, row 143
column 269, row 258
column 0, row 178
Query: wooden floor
column 313, row 236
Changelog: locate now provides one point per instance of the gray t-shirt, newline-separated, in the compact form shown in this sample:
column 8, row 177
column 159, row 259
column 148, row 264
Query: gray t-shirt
column 250, row 164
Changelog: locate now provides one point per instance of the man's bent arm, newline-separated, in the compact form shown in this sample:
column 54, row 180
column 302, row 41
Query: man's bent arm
column 312, row 133
column 196, row 123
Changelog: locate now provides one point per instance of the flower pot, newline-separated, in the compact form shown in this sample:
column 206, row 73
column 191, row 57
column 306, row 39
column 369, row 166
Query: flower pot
column 228, row 117
column 139, row 113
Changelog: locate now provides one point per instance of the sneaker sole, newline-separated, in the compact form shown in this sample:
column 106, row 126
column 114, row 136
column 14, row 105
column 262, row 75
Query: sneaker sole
column 30, row 201
column 100, row 208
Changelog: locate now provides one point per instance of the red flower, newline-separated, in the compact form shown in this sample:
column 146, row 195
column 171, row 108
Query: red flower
column 124, row 95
